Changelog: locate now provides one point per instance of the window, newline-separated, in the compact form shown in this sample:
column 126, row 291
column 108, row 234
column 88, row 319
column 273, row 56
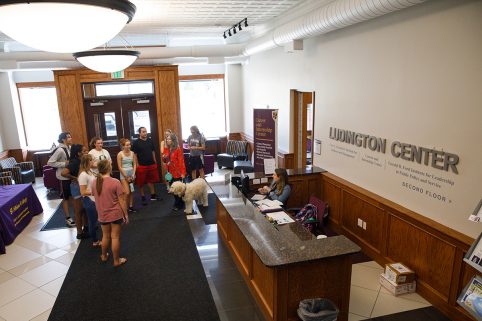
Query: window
column 40, row 115
column 123, row 89
column 202, row 104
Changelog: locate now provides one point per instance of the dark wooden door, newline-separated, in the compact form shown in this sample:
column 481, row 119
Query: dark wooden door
column 115, row 118
column 140, row 112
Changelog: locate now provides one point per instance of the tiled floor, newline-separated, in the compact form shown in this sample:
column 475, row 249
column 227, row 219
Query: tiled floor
column 35, row 265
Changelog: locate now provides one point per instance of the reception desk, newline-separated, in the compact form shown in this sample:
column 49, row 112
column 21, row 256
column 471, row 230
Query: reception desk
column 283, row 264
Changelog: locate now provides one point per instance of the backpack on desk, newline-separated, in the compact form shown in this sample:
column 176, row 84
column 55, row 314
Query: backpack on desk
column 308, row 217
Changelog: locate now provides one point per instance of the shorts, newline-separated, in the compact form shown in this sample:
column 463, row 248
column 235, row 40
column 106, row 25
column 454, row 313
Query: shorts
column 65, row 188
column 147, row 174
column 75, row 190
column 118, row 222
column 128, row 172
column 195, row 162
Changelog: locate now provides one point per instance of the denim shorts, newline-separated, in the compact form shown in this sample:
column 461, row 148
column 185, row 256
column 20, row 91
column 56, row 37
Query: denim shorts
column 75, row 190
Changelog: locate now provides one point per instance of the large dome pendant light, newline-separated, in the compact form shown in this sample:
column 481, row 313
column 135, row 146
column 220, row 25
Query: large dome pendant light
column 64, row 26
column 107, row 60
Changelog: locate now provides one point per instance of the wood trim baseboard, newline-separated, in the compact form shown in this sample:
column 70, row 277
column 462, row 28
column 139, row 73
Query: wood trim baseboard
column 35, row 84
column 397, row 234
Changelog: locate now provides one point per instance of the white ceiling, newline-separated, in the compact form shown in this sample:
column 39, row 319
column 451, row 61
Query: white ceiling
column 196, row 22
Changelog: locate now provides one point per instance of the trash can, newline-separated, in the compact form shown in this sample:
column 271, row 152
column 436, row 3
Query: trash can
column 318, row 309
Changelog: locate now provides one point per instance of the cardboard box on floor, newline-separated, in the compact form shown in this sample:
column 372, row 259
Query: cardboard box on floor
column 399, row 273
column 397, row 289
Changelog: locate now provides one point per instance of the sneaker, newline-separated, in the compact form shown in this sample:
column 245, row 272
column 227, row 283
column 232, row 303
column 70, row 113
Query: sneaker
column 69, row 222
column 175, row 208
column 154, row 197
column 132, row 210
column 144, row 202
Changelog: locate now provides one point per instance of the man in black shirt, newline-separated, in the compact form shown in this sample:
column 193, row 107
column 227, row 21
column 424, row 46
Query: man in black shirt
column 147, row 164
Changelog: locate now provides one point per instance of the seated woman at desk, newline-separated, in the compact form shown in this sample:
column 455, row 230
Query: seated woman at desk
column 279, row 189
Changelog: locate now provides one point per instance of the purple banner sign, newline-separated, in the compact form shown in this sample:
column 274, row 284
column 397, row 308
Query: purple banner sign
column 18, row 204
column 265, row 136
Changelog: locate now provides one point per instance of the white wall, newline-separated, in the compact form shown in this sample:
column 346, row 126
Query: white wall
column 414, row 76
column 2, row 148
column 33, row 76
column 234, row 98
column 8, row 112
column 200, row 69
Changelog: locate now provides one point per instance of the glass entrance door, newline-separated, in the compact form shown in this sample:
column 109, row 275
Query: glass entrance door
column 113, row 119
column 140, row 112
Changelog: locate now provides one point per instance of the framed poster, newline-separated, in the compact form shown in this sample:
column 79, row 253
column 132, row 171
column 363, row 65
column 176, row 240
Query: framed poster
column 471, row 297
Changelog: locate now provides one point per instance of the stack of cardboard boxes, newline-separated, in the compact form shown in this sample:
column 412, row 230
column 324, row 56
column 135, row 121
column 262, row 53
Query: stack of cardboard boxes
column 398, row 279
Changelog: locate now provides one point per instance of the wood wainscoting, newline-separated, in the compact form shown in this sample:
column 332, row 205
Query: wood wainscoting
column 396, row 234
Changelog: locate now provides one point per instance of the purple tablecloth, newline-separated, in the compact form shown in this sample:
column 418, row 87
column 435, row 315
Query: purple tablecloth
column 18, row 204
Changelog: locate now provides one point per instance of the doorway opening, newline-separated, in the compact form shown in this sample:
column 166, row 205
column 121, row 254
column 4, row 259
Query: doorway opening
column 120, row 114
column 302, row 104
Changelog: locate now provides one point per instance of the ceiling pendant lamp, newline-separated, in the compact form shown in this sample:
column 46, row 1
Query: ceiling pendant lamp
column 107, row 60
column 64, row 26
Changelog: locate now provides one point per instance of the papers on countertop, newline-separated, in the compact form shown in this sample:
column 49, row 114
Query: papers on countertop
column 267, row 205
column 280, row 217
column 258, row 197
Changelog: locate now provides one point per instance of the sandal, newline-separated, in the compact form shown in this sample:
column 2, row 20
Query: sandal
column 97, row 244
column 122, row 260
column 104, row 259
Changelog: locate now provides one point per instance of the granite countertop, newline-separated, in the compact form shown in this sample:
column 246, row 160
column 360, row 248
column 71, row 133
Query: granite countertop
column 282, row 244
column 308, row 170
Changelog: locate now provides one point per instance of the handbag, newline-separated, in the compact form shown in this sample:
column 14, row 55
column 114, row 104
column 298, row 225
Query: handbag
column 168, row 177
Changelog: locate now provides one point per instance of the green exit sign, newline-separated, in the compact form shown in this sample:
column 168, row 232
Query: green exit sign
column 117, row 74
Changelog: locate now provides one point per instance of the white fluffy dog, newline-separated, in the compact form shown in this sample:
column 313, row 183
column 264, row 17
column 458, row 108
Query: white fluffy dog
column 196, row 190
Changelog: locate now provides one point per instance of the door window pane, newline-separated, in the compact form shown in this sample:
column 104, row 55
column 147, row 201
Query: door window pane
column 138, row 119
column 106, row 128
column 40, row 116
column 202, row 104
column 110, row 126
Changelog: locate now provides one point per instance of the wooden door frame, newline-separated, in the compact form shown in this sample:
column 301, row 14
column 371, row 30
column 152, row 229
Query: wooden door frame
column 306, row 98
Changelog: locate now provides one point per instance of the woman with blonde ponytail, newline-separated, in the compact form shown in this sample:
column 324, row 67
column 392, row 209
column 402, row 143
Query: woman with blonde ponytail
column 110, row 201
column 85, row 179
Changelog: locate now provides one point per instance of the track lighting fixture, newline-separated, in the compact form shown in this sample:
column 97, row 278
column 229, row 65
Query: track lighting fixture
column 233, row 28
